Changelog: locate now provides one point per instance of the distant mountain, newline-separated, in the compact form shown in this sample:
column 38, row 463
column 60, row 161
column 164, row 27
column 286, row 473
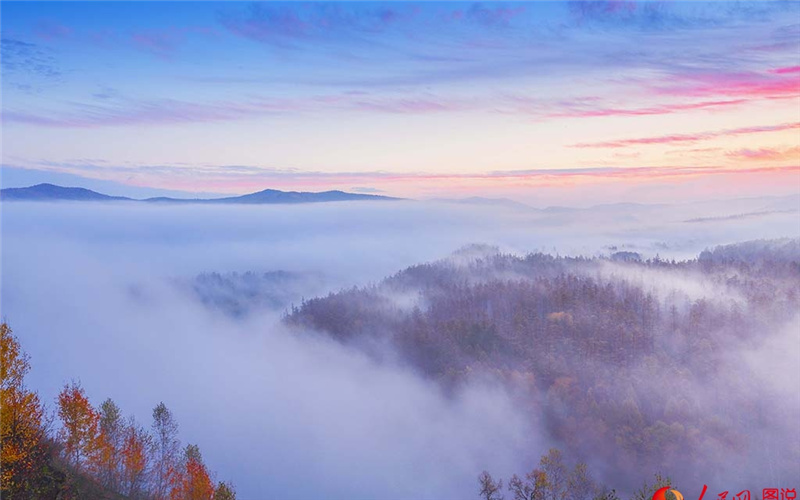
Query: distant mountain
column 46, row 192
column 43, row 192
column 269, row 196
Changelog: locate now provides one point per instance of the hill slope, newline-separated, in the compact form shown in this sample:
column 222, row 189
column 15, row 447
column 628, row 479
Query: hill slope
column 643, row 365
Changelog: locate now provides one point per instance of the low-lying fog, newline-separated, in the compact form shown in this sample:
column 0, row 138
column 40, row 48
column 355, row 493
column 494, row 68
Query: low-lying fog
column 98, row 292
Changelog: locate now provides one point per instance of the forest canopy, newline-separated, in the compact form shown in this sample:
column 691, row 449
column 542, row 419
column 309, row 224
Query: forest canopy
column 642, row 365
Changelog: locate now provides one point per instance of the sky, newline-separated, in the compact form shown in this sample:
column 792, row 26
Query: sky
column 542, row 102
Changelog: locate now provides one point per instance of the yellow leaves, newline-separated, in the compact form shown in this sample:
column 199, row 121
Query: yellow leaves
column 14, row 363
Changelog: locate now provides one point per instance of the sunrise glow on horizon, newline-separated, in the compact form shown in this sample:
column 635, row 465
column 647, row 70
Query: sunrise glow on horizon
column 551, row 101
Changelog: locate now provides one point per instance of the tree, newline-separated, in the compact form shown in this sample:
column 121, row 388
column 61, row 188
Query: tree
column 167, row 448
column 533, row 487
column 24, row 453
column 553, row 480
column 607, row 494
column 102, row 453
column 646, row 491
column 224, row 491
column 105, row 461
column 79, row 424
column 192, row 481
column 135, row 445
column 490, row 490
column 580, row 485
column 556, row 474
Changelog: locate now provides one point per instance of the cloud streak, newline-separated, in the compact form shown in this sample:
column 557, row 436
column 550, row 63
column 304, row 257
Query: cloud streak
column 126, row 112
column 27, row 58
column 664, row 109
column 688, row 138
column 781, row 83
column 286, row 25
column 766, row 154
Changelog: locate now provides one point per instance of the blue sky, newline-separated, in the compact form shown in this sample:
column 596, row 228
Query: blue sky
column 413, row 99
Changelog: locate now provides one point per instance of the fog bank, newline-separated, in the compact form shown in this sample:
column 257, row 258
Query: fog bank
column 90, row 289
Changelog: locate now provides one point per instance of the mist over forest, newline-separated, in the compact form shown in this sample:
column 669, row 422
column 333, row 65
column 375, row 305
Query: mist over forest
column 453, row 250
column 398, row 350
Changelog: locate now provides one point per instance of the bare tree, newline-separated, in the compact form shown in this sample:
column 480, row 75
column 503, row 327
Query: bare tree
column 490, row 490
column 533, row 487
column 166, row 450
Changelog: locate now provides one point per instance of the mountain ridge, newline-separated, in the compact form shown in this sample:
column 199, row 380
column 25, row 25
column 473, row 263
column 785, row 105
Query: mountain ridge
column 53, row 192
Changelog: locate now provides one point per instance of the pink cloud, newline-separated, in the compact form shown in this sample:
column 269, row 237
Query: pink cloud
column 766, row 154
column 719, row 91
column 652, row 110
column 786, row 70
column 778, row 84
column 232, row 178
column 688, row 138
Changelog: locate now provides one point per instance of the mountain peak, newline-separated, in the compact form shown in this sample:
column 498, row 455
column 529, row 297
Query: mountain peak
column 46, row 191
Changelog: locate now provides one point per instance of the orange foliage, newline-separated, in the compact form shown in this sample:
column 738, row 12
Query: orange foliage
column 192, row 481
column 79, row 424
column 104, row 461
column 134, row 458
column 21, row 430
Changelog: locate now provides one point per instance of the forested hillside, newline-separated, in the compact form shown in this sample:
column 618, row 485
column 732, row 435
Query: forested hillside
column 633, row 365
column 91, row 452
column 238, row 294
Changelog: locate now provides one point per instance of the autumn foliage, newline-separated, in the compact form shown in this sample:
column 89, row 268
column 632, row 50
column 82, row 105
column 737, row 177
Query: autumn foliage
column 79, row 425
column 22, row 431
column 95, row 453
column 191, row 480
